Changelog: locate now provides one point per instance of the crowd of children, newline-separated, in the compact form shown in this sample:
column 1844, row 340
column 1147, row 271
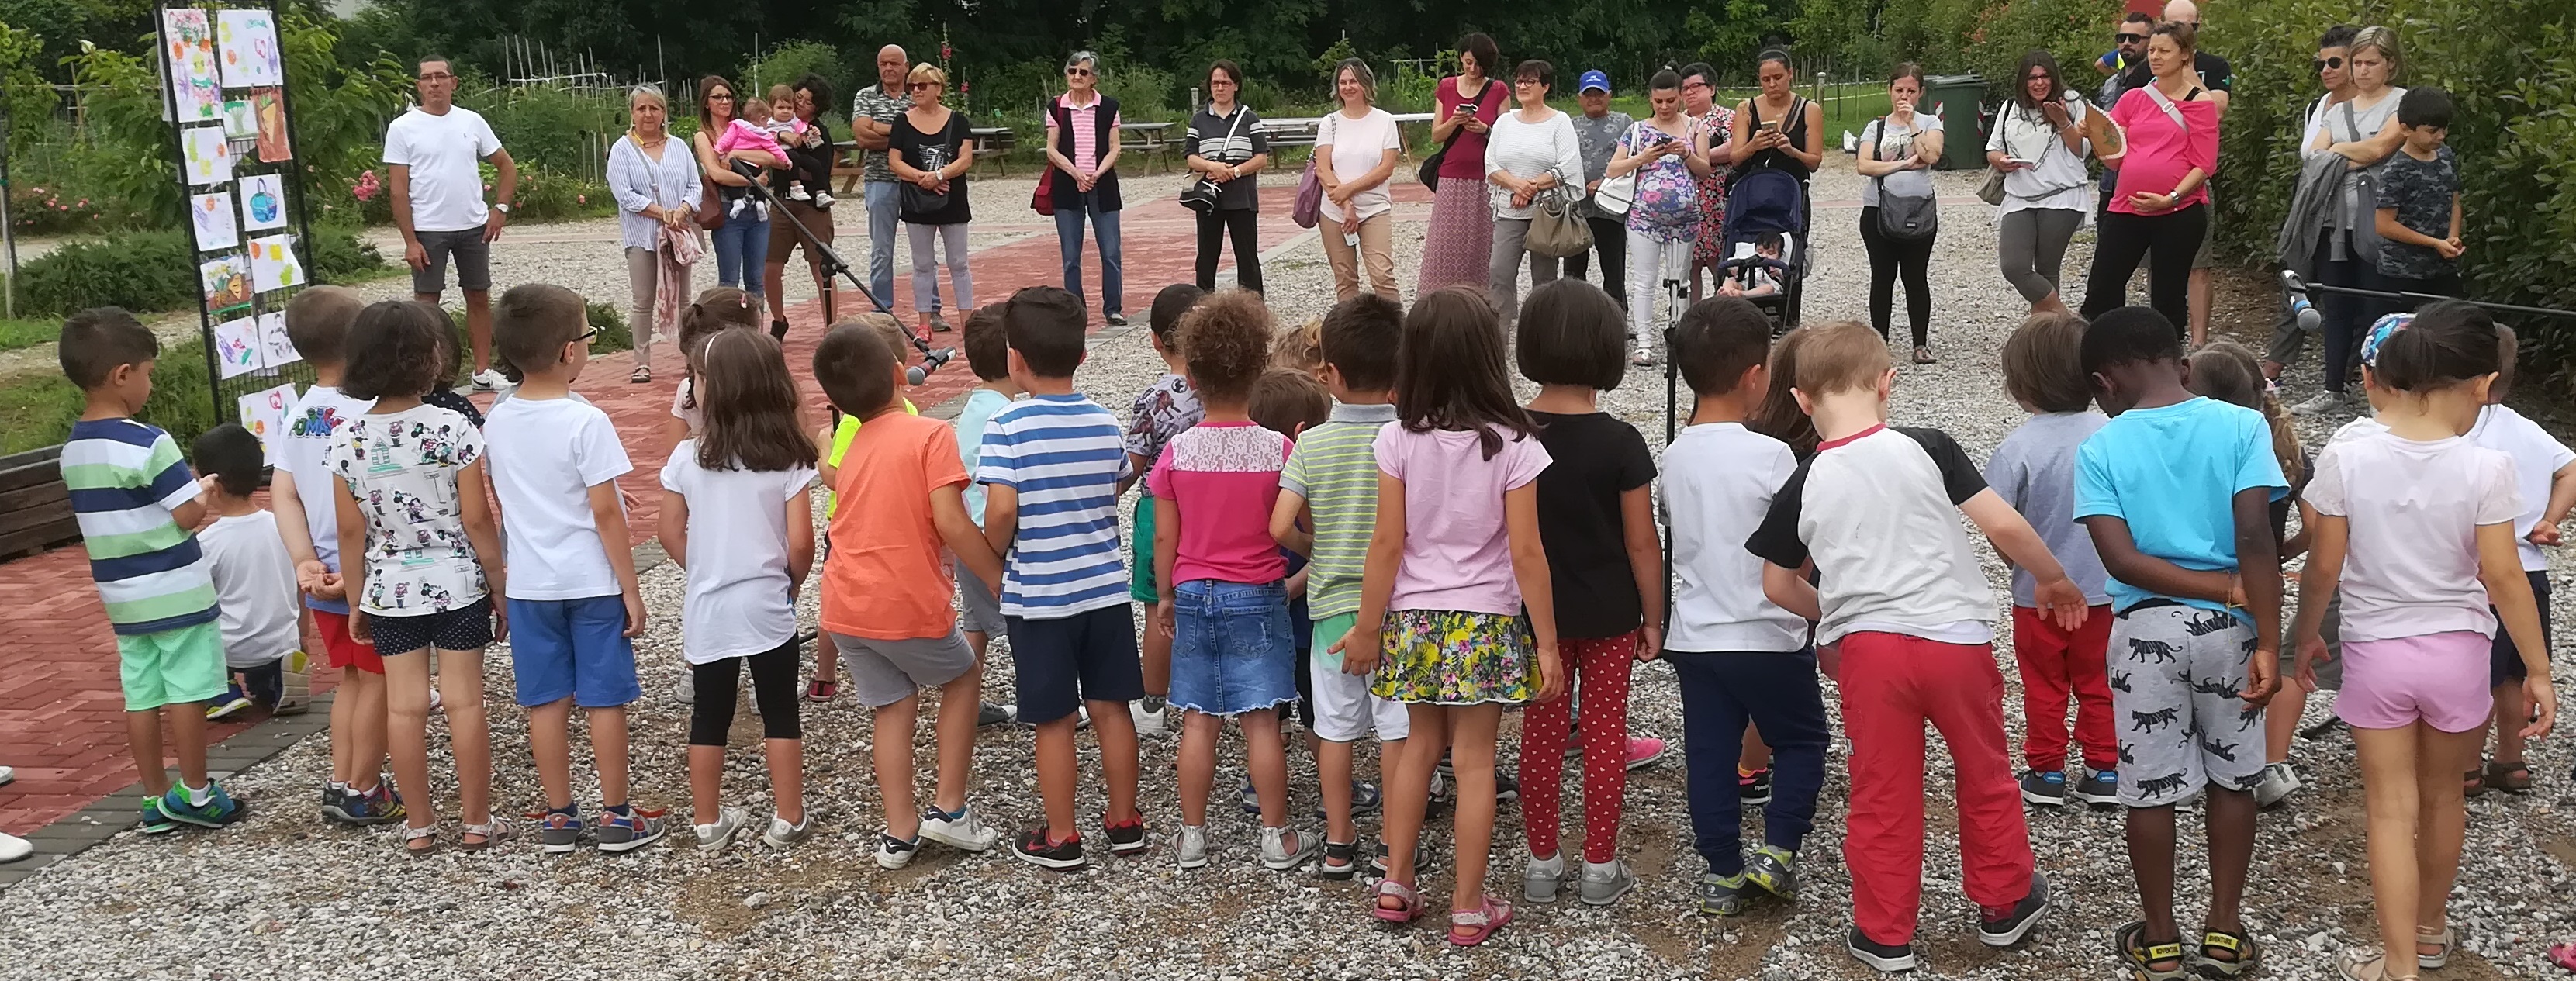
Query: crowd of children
column 1405, row 559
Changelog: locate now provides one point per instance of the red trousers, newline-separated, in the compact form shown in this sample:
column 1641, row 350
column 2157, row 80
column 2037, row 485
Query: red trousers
column 2054, row 665
column 1600, row 669
column 1891, row 685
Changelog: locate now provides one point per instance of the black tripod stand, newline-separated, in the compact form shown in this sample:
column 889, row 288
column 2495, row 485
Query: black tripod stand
column 831, row 264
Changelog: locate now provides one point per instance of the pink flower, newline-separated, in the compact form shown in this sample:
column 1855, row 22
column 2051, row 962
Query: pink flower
column 581, row 199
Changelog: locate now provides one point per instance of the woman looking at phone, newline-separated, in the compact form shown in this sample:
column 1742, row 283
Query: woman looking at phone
column 2039, row 143
column 1779, row 128
column 1663, row 219
column 1461, row 240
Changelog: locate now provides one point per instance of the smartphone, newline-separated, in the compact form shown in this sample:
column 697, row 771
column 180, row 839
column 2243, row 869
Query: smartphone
column 1351, row 239
column 2021, row 162
column 1770, row 124
column 1466, row 109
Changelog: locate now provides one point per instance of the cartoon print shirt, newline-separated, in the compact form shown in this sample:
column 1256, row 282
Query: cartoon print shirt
column 1163, row 410
column 402, row 467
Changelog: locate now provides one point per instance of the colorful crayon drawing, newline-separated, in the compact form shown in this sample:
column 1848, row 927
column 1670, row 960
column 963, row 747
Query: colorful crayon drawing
column 209, row 157
column 226, row 283
column 246, row 40
column 212, row 217
column 264, row 414
column 274, row 264
column 189, row 48
column 237, row 347
column 269, row 106
column 263, row 202
column 276, row 350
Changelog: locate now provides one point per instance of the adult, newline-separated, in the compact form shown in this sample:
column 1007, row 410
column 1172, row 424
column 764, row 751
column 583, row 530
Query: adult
column 2171, row 128
column 1083, row 143
column 2363, row 130
column 2128, row 53
column 1532, row 151
column 430, row 155
column 1226, row 147
column 2039, row 142
column 1897, row 152
column 1596, row 135
column 1459, row 244
column 811, row 153
column 1663, row 218
column 1712, row 142
column 930, row 149
column 2334, row 50
column 2220, row 79
column 656, row 186
column 1778, row 129
column 1355, row 152
column 742, row 241
column 872, row 114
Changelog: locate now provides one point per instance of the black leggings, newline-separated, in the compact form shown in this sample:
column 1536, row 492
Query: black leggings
column 1239, row 224
column 2167, row 243
column 773, row 686
column 1610, row 238
column 1887, row 257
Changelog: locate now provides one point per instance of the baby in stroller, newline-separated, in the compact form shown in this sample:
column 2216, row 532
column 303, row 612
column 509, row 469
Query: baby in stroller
column 1756, row 278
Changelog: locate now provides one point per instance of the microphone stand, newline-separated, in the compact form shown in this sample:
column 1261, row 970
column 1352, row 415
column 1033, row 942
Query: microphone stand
column 831, row 263
column 2292, row 283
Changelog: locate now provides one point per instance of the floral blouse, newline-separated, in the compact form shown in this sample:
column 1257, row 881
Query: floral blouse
column 1667, row 203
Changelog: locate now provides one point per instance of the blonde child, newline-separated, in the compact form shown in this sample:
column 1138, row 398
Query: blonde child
column 1606, row 566
column 1300, row 348
column 2415, row 530
column 254, row 577
column 2545, row 472
column 1454, row 561
column 413, row 504
column 738, row 516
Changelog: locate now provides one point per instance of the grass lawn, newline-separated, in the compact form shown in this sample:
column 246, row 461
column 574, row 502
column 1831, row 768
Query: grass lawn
column 36, row 410
column 15, row 334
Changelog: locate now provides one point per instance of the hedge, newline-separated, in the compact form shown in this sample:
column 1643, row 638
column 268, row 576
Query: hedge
column 37, row 409
column 156, row 271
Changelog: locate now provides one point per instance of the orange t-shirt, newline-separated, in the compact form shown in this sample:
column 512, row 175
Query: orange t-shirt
column 887, row 577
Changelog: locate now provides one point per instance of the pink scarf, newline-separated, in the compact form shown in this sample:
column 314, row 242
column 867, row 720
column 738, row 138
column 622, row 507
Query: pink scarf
column 676, row 250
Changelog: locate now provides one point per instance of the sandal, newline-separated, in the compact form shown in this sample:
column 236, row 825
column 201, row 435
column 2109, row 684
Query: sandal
column 643, row 375
column 1409, row 910
column 822, row 690
column 2243, row 954
column 2141, row 956
column 2442, row 938
column 2354, row 967
column 1923, row 355
column 2511, row 777
column 2563, row 955
column 1478, row 924
column 1341, row 860
column 411, row 834
column 493, row 832
column 2473, row 783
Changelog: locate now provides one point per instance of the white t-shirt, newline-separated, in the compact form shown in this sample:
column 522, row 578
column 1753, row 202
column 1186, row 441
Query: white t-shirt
column 2537, row 458
column 442, row 152
column 2412, row 566
column 299, row 452
column 546, row 456
column 1718, row 482
column 254, row 586
column 1896, row 142
column 2059, row 179
column 737, row 602
column 402, row 467
column 1359, row 145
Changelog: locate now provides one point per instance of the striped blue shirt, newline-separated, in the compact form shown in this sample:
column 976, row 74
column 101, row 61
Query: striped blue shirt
column 1061, row 453
column 125, row 477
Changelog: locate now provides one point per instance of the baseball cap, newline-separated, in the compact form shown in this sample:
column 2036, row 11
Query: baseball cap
column 1594, row 79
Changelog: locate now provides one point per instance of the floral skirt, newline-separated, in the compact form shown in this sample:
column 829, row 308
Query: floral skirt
column 1711, row 247
column 1459, row 247
column 1447, row 657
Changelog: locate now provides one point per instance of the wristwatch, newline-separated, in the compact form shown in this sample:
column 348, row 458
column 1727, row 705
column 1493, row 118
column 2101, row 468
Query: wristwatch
column 502, row 207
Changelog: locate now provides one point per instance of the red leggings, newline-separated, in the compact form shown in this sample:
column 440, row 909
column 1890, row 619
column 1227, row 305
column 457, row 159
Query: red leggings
column 1600, row 667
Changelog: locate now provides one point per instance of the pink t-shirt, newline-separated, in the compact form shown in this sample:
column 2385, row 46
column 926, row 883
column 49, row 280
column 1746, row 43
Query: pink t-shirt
column 2159, row 152
column 1466, row 157
column 1456, row 553
column 743, row 134
column 1224, row 476
column 1086, row 130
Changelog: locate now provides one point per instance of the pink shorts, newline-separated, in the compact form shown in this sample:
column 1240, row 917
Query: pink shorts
column 2437, row 679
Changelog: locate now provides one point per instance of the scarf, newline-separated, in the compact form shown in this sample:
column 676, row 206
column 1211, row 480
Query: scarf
column 675, row 250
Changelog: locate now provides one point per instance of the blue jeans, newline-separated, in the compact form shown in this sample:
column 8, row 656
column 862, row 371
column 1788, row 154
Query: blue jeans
column 885, row 206
column 1068, row 236
column 742, row 247
column 1777, row 693
column 1233, row 649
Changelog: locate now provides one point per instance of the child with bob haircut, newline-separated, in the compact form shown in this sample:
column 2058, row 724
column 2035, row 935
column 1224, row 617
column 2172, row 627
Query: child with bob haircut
column 1163, row 410
column 262, row 624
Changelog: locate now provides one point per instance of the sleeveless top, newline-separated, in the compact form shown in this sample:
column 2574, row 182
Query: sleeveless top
column 1794, row 126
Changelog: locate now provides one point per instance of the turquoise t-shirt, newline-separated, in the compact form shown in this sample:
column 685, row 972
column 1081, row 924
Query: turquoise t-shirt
column 2173, row 473
column 980, row 406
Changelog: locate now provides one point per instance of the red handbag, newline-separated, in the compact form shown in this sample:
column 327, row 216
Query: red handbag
column 1043, row 200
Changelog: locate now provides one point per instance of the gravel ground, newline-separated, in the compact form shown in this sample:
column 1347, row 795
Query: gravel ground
column 284, row 894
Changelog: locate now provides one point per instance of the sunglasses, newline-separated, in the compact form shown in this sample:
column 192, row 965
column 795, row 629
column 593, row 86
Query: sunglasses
column 1078, row 72
column 2125, row 37
column 2323, row 64
column 918, row 86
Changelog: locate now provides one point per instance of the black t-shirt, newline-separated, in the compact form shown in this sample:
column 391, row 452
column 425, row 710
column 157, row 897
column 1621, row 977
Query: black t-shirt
column 931, row 151
column 1596, row 458
column 2215, row 74
column 813, row 166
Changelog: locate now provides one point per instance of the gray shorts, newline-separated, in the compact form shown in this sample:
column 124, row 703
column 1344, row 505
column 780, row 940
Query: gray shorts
column 473, row 262
column 2175, row 672
column 884, row 672
column 979, row 611
column 2208, row 254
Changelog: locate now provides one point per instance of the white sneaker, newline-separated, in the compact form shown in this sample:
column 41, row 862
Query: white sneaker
column 1190, row 846
column 1149, row 722
column 2318, row 404
column 2278, row 783
column 894, row 853
column 784, row 835
column 965, row 831
column 7, row 774
column 1644, row 353
column 1284, row 849
column 1541, row 880
column 796, row 192
column 489, row 379
column 715, row 837
column 822, row 199
column 685, row 691
column 13, row 848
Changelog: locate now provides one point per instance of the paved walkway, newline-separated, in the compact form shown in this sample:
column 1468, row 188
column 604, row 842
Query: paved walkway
column 62, row 715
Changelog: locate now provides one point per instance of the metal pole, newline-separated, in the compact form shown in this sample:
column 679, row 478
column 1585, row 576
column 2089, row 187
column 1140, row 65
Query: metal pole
column 179, row 172
column 8, row 226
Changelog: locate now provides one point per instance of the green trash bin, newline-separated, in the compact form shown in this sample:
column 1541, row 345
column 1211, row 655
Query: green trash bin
column 1955, row 99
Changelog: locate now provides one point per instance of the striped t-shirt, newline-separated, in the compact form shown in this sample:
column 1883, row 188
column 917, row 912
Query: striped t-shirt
column 1061, row 454
column 1334, row 467
column 125, row 477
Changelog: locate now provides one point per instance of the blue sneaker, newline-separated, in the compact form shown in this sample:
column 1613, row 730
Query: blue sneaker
column 155, row 822
column 220, row 808
column 559, row 832
column 2100, row 788
column 232, row 700
column 2045, row 788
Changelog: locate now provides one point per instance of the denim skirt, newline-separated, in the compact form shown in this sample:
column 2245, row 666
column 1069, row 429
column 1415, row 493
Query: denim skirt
column 1233, row 649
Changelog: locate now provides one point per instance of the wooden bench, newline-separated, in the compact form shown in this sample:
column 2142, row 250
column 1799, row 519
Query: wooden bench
column 35, row 507
column 994, row 143
column 1153, row 141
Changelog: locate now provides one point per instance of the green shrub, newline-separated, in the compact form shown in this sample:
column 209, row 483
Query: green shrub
column 37, row 409
column 156, row 271
column 613, row 333
column 786, row 63
column 545, row 196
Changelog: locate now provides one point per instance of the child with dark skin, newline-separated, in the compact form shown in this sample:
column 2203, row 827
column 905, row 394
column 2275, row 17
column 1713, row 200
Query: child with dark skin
column 2254, row 586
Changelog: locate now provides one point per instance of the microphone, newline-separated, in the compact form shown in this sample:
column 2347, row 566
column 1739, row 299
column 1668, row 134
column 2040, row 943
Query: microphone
column 2305, row 313
column 931, row 360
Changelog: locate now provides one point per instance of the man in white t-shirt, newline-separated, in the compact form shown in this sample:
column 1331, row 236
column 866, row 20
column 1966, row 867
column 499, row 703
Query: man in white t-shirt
column 430, row 157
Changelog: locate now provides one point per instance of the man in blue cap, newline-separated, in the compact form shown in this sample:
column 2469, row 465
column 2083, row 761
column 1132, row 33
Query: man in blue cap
column 1596, row 135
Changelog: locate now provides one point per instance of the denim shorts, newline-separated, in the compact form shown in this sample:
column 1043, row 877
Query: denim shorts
column 1233, row 650
column 574, row 649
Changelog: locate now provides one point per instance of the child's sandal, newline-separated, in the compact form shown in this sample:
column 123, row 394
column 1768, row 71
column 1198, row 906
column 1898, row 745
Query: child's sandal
column 2443, row 938
column 1469, row 927
column 492, row 832
column 2242, row 954
column 1341, row 861
column 428, row 834
column 1409, row 906
column 2354, row 967
column 2563, row 955
column 2473, row 783
column 2512, row 777
column 2141, row 957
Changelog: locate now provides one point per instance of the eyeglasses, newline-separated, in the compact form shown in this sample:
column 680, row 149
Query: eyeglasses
column 587, row 335
column 1078, row 72
column 2035, row 77
column 2125, row 37
column 918, row 86
column 1696, row 84
column 726, row 96
column 2323, row 64
column 436, row 77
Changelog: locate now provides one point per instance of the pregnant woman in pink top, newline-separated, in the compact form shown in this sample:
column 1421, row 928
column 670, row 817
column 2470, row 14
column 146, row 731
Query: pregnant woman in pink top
column 2163, row 206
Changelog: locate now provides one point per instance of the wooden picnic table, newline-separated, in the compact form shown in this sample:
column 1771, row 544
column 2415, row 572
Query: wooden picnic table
column 1155, row 141
column 1300, row 130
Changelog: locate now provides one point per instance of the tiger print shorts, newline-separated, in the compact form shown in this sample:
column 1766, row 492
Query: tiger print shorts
column 2176, row 672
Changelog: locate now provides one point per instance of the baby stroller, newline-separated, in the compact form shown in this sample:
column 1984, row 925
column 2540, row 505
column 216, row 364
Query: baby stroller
column 1764, row 202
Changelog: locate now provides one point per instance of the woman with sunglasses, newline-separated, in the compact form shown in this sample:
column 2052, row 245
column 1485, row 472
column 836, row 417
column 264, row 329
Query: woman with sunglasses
column 2334, row 75
column 2039, row 143
column 1082, row 143
column 742, row 240
column 2363, row 130
column 930, row 149
column 2161, row 213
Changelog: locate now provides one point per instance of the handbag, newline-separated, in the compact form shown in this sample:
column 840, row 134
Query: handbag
column 710, row 213
column 1309, row 209
column 1555, row 230
column 1905, row 218
column 1429, row 172
column 1615, row 195
column 1042, row 200
column 1200, row 195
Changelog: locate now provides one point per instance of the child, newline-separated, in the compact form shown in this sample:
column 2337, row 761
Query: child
column 1163, row 410
column 1221, row 580
column 1875, row 513
column 1301, row 348
column 764, row 137
column 1738, row 657
column 788, row 130
column 1758, row 280
column 988, row 355
column 737, row 515
column 835, row 436
column 317, row 322
column 1327, row 509
column 411, row 501
column 254, row 577
column 1452, row 561
column 2176, row 492
column 2416, row 534
column 716, row 309
column 1053, row 458
column 2419, row 201
column 1606, row 571
column 1289, row 402
column 136, row 501
column 442, row 385
column 2034, row 470
column 2545, row 474
column 575, row 600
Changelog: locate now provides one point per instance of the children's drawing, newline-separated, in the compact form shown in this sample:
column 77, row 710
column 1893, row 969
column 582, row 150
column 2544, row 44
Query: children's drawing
column 246, row 41
column 273, row 263
column 264, row 414
column 237, row 347
column 210, row 159
column 263, row 202
column 276, row 350
column 239, row 124
column 226, row 283
column 269, row 107
column 189, row 49
column 212, row 217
